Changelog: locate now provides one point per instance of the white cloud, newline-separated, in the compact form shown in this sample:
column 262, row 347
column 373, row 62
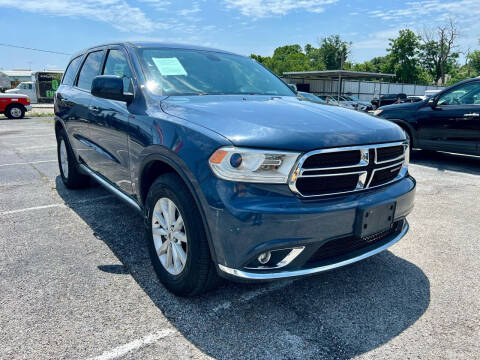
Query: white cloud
column 433, row 10
column 265, row 8
column 117, row 13
column 427, row 14
column 377, row 40
column 160, row 5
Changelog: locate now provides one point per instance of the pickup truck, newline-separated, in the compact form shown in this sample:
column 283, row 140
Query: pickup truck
column 14, row 106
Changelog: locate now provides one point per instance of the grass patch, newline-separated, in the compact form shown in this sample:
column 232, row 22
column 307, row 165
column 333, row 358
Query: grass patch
column 38, row 114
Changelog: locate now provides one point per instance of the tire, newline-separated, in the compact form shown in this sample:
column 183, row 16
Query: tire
column 190, row 271
column 15, row 112
column 67, row 164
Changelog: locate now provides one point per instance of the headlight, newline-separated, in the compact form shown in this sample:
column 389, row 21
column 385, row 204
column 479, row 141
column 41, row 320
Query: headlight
column 407, row 155
column 248, row 165
column 377, row 112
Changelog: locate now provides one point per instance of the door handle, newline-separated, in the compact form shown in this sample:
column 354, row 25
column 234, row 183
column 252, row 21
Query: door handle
column 93, row 108
column 471, row 115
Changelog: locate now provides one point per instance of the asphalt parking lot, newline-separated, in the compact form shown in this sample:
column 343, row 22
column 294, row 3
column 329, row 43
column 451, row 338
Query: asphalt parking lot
column 76, row 281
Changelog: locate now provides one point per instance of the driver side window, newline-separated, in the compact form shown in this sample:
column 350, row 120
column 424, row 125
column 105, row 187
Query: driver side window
column 468, row 94
column 117, row 64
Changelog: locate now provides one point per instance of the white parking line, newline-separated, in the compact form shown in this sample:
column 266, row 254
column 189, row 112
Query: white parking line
column 14, row 137
column 37, row 147
column 32, row 208
column 133, row 345
column 28, row 163
column 52, row 205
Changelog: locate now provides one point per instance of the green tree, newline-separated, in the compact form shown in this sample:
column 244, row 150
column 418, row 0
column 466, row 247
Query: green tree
column 403, row 56
column 334, row 51
column 437, row 53
column 474, row 61
column 285, row 58
column 315, row 57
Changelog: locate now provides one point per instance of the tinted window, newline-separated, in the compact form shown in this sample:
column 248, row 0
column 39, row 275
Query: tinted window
column 69, row 77
column 467, row 94
column 117, row 64
column 192, row 72
column 90, row 69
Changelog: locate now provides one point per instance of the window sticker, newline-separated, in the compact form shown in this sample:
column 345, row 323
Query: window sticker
column 169, row 66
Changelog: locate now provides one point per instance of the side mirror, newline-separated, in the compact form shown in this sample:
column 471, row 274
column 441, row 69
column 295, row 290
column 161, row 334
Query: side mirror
column 110, row 87
column 293, row 87
column 432, row 102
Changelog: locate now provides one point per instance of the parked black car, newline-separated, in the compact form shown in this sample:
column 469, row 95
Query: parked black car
column 233, row 174
column 448, row 121
column 388, row 99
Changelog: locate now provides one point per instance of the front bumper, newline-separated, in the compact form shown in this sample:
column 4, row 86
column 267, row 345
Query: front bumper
column 314, row 270
column 246, row 220
column 28, row 107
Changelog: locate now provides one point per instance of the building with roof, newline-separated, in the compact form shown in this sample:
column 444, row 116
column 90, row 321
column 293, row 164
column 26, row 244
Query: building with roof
column 364, row 85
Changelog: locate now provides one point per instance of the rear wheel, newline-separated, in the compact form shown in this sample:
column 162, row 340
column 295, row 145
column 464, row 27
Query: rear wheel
column 15, row 112
column 69, row 171
column 177, row 242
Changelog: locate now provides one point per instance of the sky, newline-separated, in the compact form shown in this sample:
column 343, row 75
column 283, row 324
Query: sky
column 241, row 26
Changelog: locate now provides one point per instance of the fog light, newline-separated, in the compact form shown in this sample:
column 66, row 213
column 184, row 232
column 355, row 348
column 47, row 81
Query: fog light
column 264, row 258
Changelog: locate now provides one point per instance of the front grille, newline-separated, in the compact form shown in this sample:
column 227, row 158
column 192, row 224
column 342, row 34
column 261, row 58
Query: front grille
column 327, row 184
column 339, row 247
column 333, row 159
column 344, row 170
column 389, row 153
column 385, row 175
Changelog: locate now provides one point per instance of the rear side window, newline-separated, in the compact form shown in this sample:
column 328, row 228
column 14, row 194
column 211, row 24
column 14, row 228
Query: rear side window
column 90, row 69
column 71, row 72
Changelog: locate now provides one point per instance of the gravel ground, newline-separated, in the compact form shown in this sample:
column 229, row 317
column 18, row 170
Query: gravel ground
column 76, row 281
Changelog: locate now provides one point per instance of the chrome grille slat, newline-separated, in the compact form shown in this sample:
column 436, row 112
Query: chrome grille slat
column 366, row 168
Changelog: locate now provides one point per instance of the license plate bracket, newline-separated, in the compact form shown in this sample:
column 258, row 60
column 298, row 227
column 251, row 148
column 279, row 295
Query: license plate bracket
column 375, row 219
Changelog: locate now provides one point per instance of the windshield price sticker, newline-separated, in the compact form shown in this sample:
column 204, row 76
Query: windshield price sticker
column 169, row 66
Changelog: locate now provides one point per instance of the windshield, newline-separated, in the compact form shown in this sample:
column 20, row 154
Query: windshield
column 194, row 72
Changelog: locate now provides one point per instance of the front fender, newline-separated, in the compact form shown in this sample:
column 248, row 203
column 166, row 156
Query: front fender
column 163, row 154
column 407, row 126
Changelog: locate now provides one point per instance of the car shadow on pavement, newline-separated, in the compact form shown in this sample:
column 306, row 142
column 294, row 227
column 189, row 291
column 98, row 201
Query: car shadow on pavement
column 338, row 314
column 446, row 161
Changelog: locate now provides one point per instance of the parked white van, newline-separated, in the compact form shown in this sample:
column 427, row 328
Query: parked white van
column 25, row 88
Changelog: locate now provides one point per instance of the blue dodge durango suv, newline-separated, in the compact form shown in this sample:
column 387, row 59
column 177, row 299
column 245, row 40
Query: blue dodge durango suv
column 234, row 174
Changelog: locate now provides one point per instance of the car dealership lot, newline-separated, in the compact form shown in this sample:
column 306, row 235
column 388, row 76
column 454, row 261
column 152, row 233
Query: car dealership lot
column 76, row 280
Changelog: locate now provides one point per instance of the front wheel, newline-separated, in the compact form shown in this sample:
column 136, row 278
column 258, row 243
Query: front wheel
column 15, row 112
column 177, row 242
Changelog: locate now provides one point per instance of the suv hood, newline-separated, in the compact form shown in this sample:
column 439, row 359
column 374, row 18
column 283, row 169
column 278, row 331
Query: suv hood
column 284, row 123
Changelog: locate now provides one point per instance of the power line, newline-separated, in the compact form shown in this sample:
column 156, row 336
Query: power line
column 33, row 49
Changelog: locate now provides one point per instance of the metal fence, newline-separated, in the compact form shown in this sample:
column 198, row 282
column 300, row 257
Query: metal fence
column 365, row 90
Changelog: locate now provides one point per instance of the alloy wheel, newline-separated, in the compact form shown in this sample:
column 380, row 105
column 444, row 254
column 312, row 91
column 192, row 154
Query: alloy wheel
column 63, row 158
column 169, row 236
